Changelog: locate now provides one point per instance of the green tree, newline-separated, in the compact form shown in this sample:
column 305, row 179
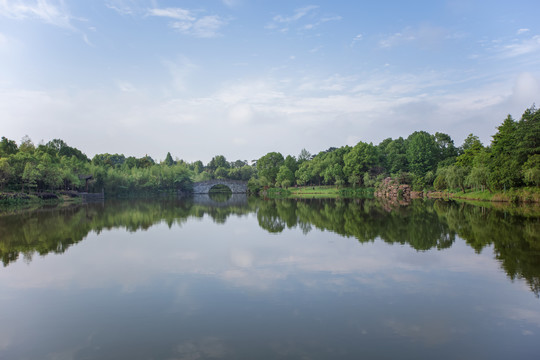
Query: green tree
column 505, row 166
column 30, row 175
column 268, row 166
column 360, row 159
column 145, row 162
column 198, row 166
column 455, row 177
column 27, row 145
column 217, row 162
column 303, row 156
column 447, row 150
column 221, row 173
column 7, row 147
column 169, row 160
column 291, row 163
column 468, row 151
column 394, row 155
column 422, row 153
column 531, row 170
column 284, row 177
column 5, row 172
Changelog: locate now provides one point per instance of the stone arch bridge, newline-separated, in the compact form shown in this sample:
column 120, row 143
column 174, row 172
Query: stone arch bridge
column 236, row 186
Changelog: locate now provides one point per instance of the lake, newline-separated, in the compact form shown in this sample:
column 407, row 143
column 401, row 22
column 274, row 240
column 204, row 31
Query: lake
column 247, row 278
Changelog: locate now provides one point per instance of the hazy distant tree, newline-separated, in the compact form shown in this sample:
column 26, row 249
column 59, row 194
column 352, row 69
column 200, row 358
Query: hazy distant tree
column 169, row 160
column 145, row 162
column 216, row 162
column 7, row 147
column 198, row 166
column 303, row 156
column 27, row 145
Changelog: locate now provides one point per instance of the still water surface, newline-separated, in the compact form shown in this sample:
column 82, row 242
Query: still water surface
column 269, row 279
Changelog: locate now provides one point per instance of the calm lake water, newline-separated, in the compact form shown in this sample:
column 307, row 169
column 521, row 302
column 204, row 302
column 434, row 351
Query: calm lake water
column 269, row 279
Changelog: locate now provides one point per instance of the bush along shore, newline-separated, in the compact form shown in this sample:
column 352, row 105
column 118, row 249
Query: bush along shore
column 21, row 198
column 391, row 189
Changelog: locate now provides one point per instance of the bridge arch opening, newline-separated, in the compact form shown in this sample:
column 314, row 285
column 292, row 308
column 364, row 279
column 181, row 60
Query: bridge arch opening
column 236, row 186
column 220, row 193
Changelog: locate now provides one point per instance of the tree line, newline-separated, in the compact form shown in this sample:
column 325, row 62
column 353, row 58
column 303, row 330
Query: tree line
column 423, row 160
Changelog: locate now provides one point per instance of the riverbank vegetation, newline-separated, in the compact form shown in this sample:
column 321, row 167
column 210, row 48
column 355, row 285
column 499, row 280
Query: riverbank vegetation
column 509, row 165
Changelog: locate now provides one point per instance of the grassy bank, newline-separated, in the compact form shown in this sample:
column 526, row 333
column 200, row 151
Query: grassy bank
column 23, row 200
column 522, row 195
column 317, row 192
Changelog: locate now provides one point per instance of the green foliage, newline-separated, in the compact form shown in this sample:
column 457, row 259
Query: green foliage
column 531, row 170
column 254, row 185
column 7, row 147
column 5, row 172
column 217, row 162
column 284, row 177
column 303, row 156
column 360, row 159
column 455, row 177
column 422, row 153
column 440, row 182
column 268, row 166
column 394, row 155
column 291, row 163
column 169, row 160
column 27, row 146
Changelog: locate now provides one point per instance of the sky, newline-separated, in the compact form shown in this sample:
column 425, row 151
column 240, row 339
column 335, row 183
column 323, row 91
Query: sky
column 242, row 78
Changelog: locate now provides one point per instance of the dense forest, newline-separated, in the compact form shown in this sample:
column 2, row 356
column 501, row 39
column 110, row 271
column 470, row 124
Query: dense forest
column 423, row 160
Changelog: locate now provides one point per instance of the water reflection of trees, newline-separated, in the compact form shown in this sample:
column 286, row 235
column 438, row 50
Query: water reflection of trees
column 54, row 230
column 417, row 225
column 433, row 225
column 422, row 225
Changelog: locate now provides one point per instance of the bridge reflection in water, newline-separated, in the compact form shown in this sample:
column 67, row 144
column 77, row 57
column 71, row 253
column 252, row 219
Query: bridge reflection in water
column 232, row 200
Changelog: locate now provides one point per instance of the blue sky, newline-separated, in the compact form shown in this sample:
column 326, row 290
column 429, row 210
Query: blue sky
column 242, row 78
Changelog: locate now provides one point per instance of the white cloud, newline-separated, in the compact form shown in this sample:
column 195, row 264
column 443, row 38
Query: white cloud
column 356, row 39
column 46, row 11
column 282, row 22
column 187, row 22
column 298, row 14
column 522, row 31
column 127, row 7
column 519, row 48
column 423, row 36
column 360, row 107
column 126, row 86
column 174, row 13
column 180, row 70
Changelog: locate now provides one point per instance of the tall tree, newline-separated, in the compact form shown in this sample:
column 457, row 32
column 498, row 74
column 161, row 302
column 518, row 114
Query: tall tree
column 422, row 153
column 268, row 166
column 169, row 160
column 359, row 160
column 7, row 147
column 505, row 165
